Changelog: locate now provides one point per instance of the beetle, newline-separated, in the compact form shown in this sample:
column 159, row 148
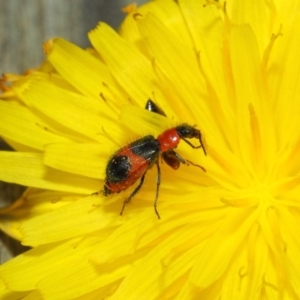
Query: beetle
column 132, row 162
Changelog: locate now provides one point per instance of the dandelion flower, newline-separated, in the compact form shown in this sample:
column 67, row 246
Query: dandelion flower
column 228, row 233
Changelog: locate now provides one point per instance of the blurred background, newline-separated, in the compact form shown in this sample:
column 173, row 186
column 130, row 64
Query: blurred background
column 24, row 26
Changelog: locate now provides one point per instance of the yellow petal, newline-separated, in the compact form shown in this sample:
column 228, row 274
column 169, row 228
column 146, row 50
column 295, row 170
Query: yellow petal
column 33, row 202
column 158, row 265
column 85, row 216
column 82, row 159
column 74, row 64
column 250, row 90
column 6, row 294
column 167, row 11
column 130, row 68
column 206, row 28
column 27, row 169
column 258, row 15
column 212, row 269
column 82, row 114
column 25, row 271
column 79, row 278
column 144, row 122
column 20, row 124
column 181, row 67
column 285, row 86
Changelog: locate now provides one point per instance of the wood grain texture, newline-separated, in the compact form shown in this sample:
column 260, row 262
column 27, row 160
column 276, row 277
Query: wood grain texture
column 24, row 26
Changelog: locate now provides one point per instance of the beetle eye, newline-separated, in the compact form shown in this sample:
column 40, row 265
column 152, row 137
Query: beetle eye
column 185, row 131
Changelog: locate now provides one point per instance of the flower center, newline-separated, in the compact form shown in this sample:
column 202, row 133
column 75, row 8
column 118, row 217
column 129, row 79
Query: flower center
column 259, row 194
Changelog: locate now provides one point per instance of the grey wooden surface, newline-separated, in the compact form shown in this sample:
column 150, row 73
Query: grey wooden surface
column 24, row 26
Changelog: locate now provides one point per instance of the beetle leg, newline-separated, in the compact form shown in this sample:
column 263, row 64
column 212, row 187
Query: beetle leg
column 182, row 160
column 133, row 193
column 188, row 162
column 157, row 188
column 196, row 147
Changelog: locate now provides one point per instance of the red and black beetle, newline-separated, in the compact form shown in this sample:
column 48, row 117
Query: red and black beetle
column 133, row 161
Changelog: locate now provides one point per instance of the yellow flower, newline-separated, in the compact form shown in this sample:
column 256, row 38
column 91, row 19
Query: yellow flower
column 228, row 233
